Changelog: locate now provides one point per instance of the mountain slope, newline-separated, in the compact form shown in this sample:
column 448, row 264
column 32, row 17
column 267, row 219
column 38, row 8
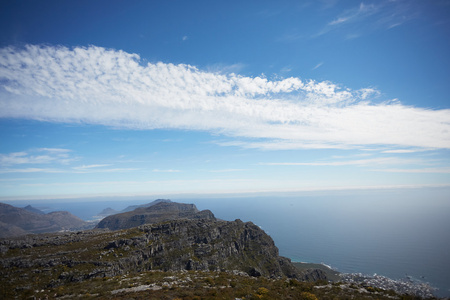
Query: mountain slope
column 159, row 212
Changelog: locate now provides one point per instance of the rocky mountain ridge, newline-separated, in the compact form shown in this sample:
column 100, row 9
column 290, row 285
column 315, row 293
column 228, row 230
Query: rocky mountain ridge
column 178, row 245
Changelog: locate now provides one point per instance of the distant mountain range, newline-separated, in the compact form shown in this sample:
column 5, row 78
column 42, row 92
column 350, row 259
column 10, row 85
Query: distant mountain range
column 16, row 221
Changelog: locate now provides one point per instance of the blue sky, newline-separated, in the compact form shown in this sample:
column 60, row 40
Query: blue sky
column 168, row 97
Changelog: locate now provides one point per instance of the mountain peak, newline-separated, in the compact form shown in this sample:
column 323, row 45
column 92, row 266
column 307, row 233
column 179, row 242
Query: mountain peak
column 33, row 210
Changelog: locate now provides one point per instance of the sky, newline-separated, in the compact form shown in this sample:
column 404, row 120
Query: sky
column 221, row 97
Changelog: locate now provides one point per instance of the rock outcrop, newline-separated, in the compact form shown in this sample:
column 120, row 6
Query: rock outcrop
column 205, row 245
column 158, row 212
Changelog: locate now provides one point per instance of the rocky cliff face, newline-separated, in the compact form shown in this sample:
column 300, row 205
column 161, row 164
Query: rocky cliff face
column 169, row 246
column 159, row 212
column 16, row 221
column 205, row 245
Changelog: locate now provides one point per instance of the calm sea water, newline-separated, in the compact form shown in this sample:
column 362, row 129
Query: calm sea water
column 392, row 233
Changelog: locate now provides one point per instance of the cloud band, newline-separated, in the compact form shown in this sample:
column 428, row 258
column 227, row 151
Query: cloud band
column 114, row 88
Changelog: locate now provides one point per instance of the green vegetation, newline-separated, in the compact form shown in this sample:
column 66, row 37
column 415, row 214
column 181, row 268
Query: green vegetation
column 192, row 285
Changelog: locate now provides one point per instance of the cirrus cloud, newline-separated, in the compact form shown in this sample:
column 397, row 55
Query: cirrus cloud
column 114, row 88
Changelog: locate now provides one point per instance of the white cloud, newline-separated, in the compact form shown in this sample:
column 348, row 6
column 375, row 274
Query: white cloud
column 73, row 170
column 30, row 170
column 357, row 162
column 49, row 155
column 404, row 150
column 115, row 88
column 84, row 167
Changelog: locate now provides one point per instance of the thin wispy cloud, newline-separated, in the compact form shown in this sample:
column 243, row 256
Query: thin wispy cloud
column 403, row 151
column 38, row 156
column 99, row 168
column 368, row 17
column 30, row 170
column 50, row 160
column 351, row 16
column 318, row 66
column 87, row 167
column 225, row 68
column 339, row 21
column 110, row 87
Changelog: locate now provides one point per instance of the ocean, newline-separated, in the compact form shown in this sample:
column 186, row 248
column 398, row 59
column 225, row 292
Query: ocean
column 394, row 233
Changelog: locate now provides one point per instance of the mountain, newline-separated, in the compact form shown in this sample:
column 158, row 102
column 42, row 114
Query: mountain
column 18, row 221
column 133, row 207
column 34, row 210
column 107, row 212
column 160, row 211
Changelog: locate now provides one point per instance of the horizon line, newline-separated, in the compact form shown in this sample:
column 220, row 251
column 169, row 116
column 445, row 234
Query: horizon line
column 229, row 194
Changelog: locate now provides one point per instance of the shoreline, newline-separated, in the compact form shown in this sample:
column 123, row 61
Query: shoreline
column 402, row 286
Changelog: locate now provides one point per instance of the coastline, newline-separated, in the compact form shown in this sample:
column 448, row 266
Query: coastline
column 405, row 285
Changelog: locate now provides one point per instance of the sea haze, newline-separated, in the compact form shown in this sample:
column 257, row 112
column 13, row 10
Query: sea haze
column 394, row 233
